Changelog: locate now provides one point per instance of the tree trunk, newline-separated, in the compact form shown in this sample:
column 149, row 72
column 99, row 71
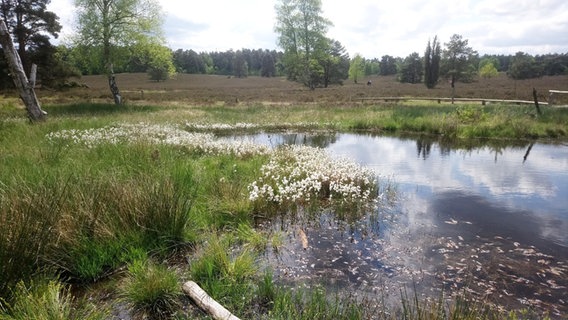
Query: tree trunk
column 25, row 87
column 205, row 302
column 113, row 87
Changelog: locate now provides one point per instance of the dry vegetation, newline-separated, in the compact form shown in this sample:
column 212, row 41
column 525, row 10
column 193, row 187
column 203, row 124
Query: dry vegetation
column 212, row 89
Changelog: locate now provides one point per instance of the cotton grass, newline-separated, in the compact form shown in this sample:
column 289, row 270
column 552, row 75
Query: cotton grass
column 158, row 134
column 294, row 175
column 301, row 174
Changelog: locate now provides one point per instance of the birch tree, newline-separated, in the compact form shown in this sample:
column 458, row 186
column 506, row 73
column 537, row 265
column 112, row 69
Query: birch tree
column 356, row 68
column 110, row 24
column 24, row 85
column 302, row 34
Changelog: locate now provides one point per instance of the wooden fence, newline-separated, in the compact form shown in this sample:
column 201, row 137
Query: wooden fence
column 552, row 95
column 439, row 100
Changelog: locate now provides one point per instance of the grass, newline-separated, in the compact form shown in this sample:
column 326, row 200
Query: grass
column 85, row 212
column 151, row 290
column 225, row 273
column 49, row 300
column 27, row 221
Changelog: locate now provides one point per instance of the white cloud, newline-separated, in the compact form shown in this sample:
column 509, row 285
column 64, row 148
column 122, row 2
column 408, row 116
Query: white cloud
column 372, row 28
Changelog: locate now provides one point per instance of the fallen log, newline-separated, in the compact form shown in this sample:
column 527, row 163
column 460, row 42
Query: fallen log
column 205, row 302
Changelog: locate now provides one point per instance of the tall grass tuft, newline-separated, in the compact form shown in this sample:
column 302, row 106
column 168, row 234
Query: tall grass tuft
column 151, row 290
column 111, row 222
column 222, row 183
column 28, row 223
column 225, row 273
column 48, row 300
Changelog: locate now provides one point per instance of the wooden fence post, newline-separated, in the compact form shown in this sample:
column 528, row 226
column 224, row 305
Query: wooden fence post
column 25, row 87
column 536, row 102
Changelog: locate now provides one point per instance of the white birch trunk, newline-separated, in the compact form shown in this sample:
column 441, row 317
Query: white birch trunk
column 25, row 87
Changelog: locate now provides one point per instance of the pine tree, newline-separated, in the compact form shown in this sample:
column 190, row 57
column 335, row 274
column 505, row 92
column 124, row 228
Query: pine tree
column 30, row 25
column 432, row 63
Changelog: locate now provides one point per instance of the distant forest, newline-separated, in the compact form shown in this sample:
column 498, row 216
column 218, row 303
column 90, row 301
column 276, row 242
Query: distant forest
column 65, row 62
column 261, row 62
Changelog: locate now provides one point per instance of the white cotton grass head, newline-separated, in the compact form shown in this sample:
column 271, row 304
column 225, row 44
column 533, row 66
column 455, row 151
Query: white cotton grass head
column 158, row 134
column 299, row 175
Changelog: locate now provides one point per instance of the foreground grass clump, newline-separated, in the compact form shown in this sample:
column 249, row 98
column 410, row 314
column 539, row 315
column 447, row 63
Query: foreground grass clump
column 151, row 290
column 28, row 222
column 226, row 273
column 317, row 304
column 49, row 300
column 111, row 222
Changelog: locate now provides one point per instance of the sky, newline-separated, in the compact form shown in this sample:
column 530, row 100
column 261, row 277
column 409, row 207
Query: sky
column 372, row 28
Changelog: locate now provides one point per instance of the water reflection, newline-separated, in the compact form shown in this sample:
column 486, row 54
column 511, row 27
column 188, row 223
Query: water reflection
column 488, row 216
column 316, row 139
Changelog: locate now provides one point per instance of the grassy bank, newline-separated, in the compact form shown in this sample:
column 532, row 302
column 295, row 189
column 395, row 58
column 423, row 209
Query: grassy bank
column 456, row 121
column 103, row 215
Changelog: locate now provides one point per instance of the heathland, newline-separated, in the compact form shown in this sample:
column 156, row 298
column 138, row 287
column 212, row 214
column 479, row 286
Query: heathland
column 106, row 210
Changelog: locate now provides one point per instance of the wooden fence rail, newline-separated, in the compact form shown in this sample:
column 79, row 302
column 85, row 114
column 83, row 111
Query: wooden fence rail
column 552, row 95
column 481, row 100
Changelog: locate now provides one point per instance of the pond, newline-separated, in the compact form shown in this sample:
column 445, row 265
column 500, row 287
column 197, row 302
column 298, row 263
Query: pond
column 488, row 219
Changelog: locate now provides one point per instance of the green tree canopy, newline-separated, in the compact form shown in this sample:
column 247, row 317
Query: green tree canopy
column 356, row 68
column 432, row 58
column 524, row 66
column 113, row 24
column 31, row 25
column 458, row 61
column 268, row 65
column 411, row 69
column 388, row 65
column 301, row 32
column 488, row 67
column 240, row 65
column 336, row 64
column 372, row 67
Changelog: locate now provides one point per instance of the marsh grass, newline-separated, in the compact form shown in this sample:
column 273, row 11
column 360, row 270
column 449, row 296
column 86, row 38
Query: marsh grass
column 223, row 183
column 96, row 109
column 316, row 303
column 151, row 290
column 226, row 272
column 28, row 221
column 86, row 212
column 49, row 300
column 110, row 222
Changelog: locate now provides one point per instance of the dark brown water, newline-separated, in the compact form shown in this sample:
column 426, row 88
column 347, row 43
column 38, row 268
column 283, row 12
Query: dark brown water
column 487, row 219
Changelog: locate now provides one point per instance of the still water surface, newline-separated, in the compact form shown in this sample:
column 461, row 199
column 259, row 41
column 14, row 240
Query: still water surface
column 487, row 219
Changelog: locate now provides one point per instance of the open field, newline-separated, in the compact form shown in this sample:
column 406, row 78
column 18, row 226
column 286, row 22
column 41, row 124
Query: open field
column 212, row 89
column 106, row 210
